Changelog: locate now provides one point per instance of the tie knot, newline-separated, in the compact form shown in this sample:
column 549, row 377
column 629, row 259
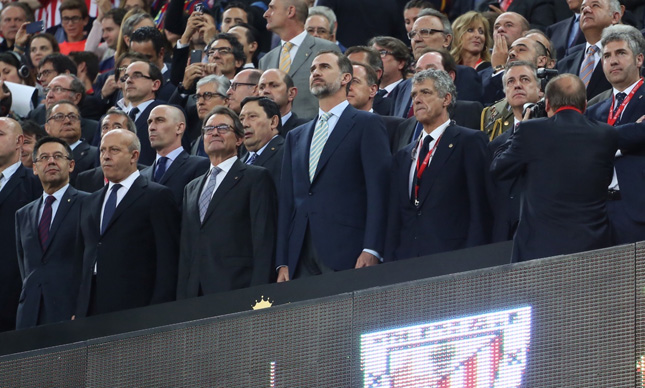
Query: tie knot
column 426, row 141
column 325, row 116
column 49, row 200
column 162, row 161
column 592, row 50
column 620, row 96
column 116, row 187
column 215, row 171
column 287, row 46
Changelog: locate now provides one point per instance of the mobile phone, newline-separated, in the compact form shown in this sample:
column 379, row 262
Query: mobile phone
column 35, row 27
column 195, row 56
column 199, row 7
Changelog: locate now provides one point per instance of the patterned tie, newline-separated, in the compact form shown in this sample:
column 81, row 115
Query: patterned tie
column 161, row 168
column 252, row 158
column 133, row 113
column 321, row 133
column 205, row 198
column 588, row 65
column 45, row 221
column 620, row 97
column 1, row 180
column 110, row 207
column 285, row 57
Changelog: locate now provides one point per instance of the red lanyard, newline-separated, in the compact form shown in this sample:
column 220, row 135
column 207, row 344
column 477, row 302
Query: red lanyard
column 612, row 118
column 421, row 168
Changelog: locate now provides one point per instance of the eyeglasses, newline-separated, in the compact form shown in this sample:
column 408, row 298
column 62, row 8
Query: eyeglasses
column 207, row 96
column 73, row 117
column 135, row 76
column 319, row 30
column 424, row 33
column 220, row 50
column 234, row 85
column 58, row 90
column 73, row 19
column 222, row 129
column 383, row 53
column 44, row 158
column 45, row 73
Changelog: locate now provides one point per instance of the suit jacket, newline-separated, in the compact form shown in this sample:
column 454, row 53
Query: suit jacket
column 305, row 105
column 148, row 154
column 183, row 169
column 629, row 166
column 90, row 180
column 492, row 86
column 50, row 274
column 293, row 122
column 343, row 205
column 571, row 64
column 271, row 158
column 136, row 257
column 454, row 209
column 85, row 157
column 560, row 33
column 22, row 188
column 465, row 114
column 235, row 245
column 564, row 195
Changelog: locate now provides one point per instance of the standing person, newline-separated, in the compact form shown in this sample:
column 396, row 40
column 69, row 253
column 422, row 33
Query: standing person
column 46, row 234
column 333, row 190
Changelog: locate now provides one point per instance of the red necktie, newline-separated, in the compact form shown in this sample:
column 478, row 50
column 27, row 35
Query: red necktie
column 45, row 221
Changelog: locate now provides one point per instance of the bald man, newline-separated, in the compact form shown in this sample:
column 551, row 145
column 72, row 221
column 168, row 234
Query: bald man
column 18, row 187
column 173, row 166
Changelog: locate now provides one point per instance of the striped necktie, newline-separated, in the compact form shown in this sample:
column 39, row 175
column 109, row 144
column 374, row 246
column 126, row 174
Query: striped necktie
column 285, row 57
column 207, row 194
column 321, row 133
column 588, row 65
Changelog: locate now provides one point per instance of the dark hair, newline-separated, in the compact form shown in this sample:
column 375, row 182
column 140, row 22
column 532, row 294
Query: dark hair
column 29, row 13
column 238, row 128
column 61, row 102
column 560, row 94
column 31, row 128
column 16, row 60
column 148, row 34
column 68, row 5
column 369, row 72
column 399, row 50
column 60, row 62
column 91, row 62
column 50, row 38
column 343, row 62
column 373, row 57
column 155, row 72
column 51, row 139
column 116, row 14
column 135, row 57
column 238, row 49
column 242, row 6
column 418, row 4
column 116, row 111
column 269, row 106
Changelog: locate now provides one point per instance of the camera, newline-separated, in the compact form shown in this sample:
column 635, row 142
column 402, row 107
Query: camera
column 537, row 109
column 544, row 76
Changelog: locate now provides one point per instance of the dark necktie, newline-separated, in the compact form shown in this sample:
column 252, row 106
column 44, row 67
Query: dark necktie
column 252, row 158
column 161, row 168
column 45, row 221
column 620, row 97
column 110, row 207
column 133, row 113
column 424, row 149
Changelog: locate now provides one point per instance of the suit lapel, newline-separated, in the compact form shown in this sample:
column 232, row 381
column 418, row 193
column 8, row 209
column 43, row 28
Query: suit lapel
column 444, row 150
column 135, row 191
column 80, row 152
column 342, row 128
column 304, row 51
column 635, row 108
column 302, row 146
column 234, row 175
column 63, row 208
column 12, row 183
column 269, row 151
column 33, row 220
column 174, row 167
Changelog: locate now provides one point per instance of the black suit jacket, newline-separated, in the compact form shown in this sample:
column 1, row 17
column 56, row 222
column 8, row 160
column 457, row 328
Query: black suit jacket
column 271, row 158
column 22, row 188
column 235, row 245
column 148, row 154
column 560, row 33
column 50, row 274
column 85, row 157
column 183, row 169
column 454, row 209
column 136, row 257
column 90, row 180
column 567, row 163
column 293, row 122
column 571, row 64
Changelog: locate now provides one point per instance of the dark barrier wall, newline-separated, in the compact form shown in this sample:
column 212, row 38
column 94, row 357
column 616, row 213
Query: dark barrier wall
column 559, row 322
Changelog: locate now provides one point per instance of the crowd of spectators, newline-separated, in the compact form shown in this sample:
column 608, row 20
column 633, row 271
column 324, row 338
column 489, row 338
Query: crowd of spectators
column 153, row 151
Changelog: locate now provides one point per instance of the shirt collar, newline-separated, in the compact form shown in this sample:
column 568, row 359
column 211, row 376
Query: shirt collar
column 58, row 194
column 286, row 118
column 172, row 155
column 296, row 40
column 72, row 146
column 628, row 89
column 9, row 171
column 336, row 111
column 391, row 86
column 598, row 44
column 226, row 165
column 437, row 132
column 141, row 106
column 127, row 182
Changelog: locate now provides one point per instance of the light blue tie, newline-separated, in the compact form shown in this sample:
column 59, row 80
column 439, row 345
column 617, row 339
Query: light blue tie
column 207, row 193
column 321, row 133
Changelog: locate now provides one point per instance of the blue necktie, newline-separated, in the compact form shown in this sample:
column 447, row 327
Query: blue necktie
column 252, row 158
column 110, row 207
column 620, row 97
column 133, row 113
column 575, row 30
column 161, row 168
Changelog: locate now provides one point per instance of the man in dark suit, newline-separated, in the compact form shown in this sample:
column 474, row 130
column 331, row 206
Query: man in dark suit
column 64, row 122
column 260, row 118
column 583, row 60
column 566, row 33
column 173, row 166
column 279, row 87
column 46, row 235
column 440, row 184
column 228, row 232
column 142, row 81
column 286, row 18
column 566, row 163
column 371, row 57
column 18, row 187
column 623, row 50
column 334, row 181
column 129, row 235
column 149, row 41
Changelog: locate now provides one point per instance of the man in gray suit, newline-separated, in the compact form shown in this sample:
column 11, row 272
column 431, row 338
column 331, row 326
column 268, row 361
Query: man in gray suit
column 296, row 52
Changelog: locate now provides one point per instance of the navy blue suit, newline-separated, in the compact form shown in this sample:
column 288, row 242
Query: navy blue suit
column 566, row 163
column 627, row 215
column 50, row 274
column 148, row 154
column 344, row 205
column 454, row 209
column 560, row 33
column 571, row 64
